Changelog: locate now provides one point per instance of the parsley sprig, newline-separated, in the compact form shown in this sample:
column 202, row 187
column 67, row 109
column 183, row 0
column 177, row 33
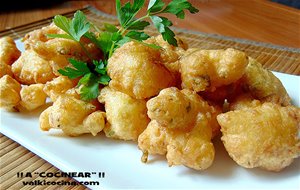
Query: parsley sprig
column 131, row 28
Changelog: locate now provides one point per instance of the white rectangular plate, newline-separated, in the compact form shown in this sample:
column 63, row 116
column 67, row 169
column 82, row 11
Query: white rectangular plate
column 120, row 160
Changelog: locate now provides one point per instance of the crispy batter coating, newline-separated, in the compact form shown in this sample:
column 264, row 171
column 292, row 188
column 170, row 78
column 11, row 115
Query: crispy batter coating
column 32, row 96
column 173, row 109
column 44, row 119
column 9, row 92
column 9, row 52
column 180, row 127
column 192, row 149
column 127, row 117
column 177, row 109
column 95, row 122
column 169, row 53
column 5, row 69
column 30, row 68
column 58, row 86
column 244, row 101
column 223, row 93
column 68, row 114
column 153, row 140
column 136, row 69
column 40, row 35
column 58, row 50
column 264, row 85
column 265, row 136
column 205, row 70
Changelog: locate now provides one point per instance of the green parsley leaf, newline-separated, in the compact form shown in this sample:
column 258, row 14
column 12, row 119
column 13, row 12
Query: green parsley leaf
column 110, row 28
column 155, row 6
column 63, row 23
column 66, row 36
column 81, row 69
column 140, row 36
column 107, row 40
column 90, row 91
column 75, row 28
column 104, row 80
column 162, row 25
column 123, row 41
column 111, row 38
column 138, row 25
column 177, row 7
column 127, row 12
column 79, row 25
column 100, row 67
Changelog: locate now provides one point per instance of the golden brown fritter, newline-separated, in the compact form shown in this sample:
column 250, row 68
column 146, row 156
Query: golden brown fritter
column 5, row 69
column 9, row 52
column 264, row 136
column 71, row 116
column 177, row 109
column 190, row 148
column 181, row 126
column 264, row 85
column 58, row 86
column 40, row 35
column 244, row 101
column 173, row 109
column 169, row 53
column 9, row 92
column 127, row 117
column 30, row 68
column 32, row 96
column 58, row 50
column 193, row 149
column 136, row 69
column 205, row 70
column 153, row 139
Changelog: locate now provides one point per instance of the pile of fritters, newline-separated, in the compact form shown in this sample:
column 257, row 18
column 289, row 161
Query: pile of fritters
column 173, row 101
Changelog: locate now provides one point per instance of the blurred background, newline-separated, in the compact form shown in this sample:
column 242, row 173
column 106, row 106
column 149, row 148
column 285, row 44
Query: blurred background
column 271, row 21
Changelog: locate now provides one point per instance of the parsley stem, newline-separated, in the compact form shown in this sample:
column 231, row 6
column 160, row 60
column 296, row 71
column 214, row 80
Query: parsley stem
column 111, row 49
column 133, row 22
column 85, row 51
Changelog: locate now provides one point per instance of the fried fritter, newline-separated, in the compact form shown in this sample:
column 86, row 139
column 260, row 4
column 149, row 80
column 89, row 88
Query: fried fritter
column 181, row 126
column 173, row 109
column 205, row 70
column 40, row 35
column 153, row 139
column 127, row 117
column 70, row 114
column 264, row 85
column 95, row 122
column 58, row 50
column 9, row 52
column 9, row 92
column 169, row 53
column 136, row 69
column 5, row 69
column 192, row 149
column 32, row 96
column 244, row 101
column 177, row 109
column 264, row 136
column 30, row 68
column 58, row 86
